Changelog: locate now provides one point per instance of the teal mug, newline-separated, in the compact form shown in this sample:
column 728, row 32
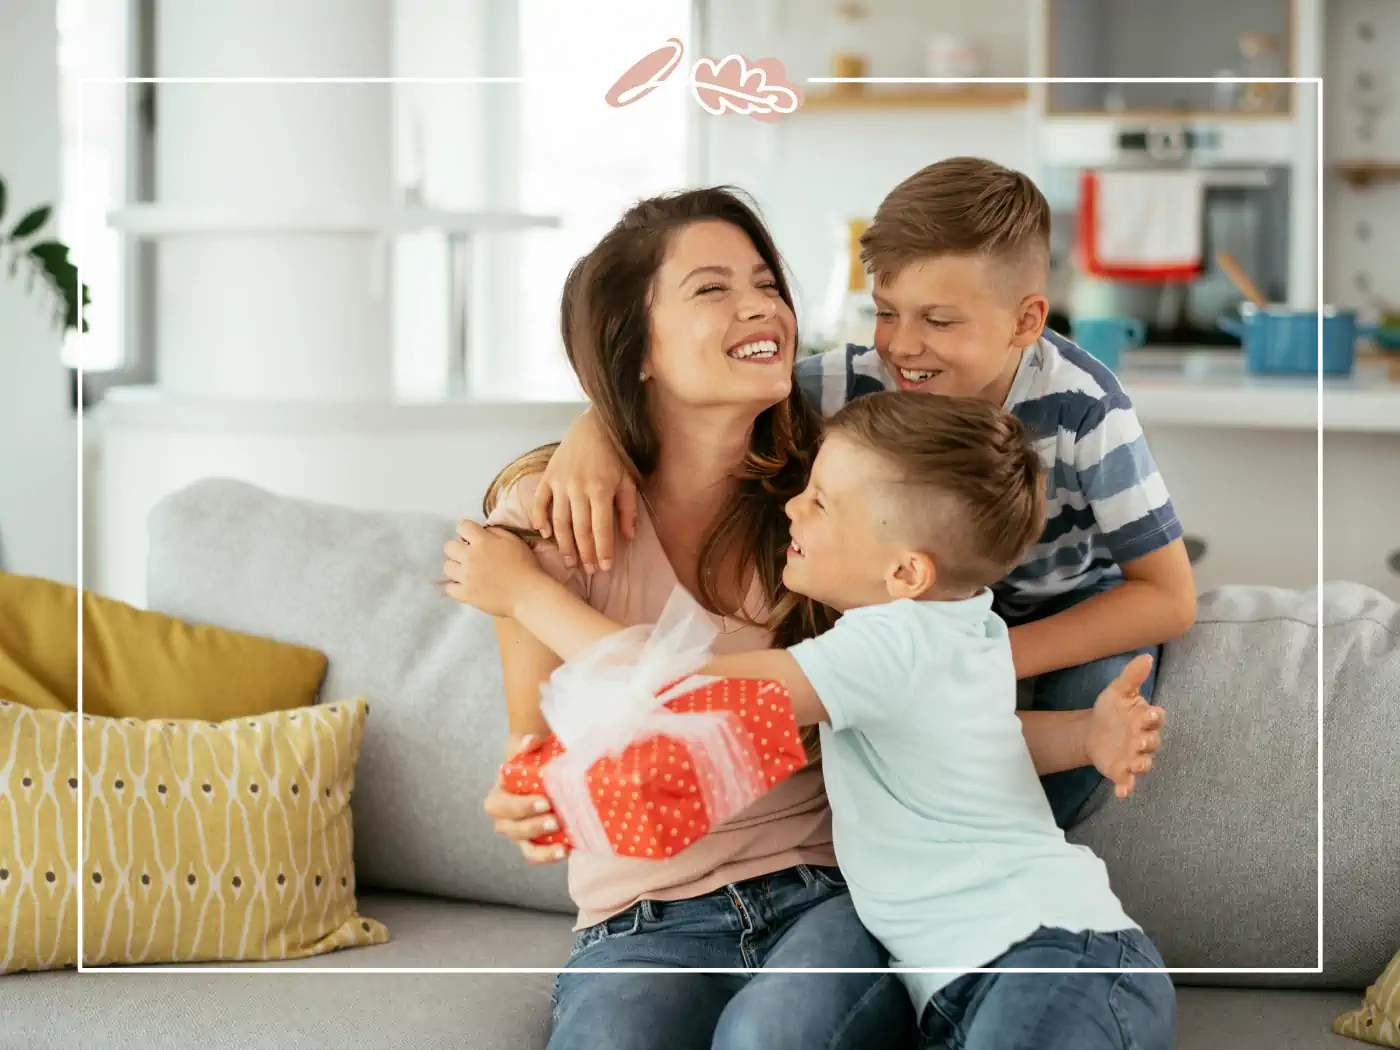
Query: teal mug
column 1107, row 337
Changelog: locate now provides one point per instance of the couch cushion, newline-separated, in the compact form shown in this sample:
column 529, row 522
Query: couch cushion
column 247, row 1010
column 359, row 587
column 1216, row 855
column 1256, row 1019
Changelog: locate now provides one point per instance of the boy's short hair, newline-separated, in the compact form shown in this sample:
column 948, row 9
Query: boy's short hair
column 970, row 483
column 960, row 206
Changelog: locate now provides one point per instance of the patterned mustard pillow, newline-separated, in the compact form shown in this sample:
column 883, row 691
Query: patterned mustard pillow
column 1377, row 1019
column 205, row 841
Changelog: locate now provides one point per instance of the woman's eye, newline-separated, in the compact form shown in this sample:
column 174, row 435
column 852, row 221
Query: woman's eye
column 935, row 323
column 710, row 288
column 884, row 315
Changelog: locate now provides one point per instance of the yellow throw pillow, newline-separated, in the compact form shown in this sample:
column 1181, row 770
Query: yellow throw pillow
column 140, row 664
column 205, row 842
column 1377, row 1019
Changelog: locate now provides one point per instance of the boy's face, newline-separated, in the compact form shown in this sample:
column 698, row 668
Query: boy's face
column 956, row 325
column 843, row 551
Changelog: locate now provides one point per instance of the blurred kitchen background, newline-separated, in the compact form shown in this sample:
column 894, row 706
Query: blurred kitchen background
column 349, row 292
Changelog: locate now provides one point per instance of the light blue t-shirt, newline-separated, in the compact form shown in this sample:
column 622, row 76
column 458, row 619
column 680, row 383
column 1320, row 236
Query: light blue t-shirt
column 941, row 826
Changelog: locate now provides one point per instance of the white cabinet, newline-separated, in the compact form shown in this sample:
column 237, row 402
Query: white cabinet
column 1152, row 38
column 1251, row 497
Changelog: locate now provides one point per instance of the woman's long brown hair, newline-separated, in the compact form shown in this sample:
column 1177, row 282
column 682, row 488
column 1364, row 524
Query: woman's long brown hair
column 605, row 323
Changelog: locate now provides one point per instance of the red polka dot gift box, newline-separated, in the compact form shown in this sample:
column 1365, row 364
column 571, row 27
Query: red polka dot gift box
column 698, row 761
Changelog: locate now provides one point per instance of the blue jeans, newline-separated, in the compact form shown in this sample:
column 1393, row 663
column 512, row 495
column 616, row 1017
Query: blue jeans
column 800, row 917
column 1058, row 1011
column 1076, row 793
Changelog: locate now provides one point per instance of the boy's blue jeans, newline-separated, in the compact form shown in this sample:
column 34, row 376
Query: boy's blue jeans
column 1076, row 793
column 1058, row 1011
column 799, row 917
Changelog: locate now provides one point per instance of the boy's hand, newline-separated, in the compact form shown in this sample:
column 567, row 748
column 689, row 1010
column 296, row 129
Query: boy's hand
column 574, row 504
column 1124, row 729
column 489, row 568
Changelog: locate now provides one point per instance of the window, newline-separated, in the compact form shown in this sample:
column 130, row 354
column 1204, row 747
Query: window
column 94, row 40
column 580, row 160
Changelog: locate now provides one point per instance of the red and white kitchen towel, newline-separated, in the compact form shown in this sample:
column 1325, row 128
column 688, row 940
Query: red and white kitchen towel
column 1141, row 225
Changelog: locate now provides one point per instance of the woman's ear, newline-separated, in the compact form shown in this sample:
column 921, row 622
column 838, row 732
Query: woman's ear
column 912, row 576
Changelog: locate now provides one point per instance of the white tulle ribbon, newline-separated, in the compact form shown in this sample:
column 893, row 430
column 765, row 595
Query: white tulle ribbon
column 614, row 693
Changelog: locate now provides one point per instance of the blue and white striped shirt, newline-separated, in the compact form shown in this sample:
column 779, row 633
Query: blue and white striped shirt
column 1106, row 503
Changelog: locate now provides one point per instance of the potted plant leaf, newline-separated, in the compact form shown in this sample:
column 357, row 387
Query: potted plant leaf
column 46, row 262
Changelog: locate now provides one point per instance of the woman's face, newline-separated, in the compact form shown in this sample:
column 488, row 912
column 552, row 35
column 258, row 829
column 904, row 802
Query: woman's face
column 721, row 333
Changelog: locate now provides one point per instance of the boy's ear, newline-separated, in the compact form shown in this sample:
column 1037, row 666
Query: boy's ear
column 1030, row 319
column 912, row 576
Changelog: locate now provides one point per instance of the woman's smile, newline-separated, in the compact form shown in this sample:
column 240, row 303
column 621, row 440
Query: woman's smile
column 761, row 348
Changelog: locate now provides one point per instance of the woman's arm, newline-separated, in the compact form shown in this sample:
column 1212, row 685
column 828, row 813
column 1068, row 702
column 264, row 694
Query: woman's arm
column 527, row 663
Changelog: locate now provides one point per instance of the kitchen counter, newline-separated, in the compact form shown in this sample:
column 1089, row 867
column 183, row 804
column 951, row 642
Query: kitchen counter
column 1192, row 386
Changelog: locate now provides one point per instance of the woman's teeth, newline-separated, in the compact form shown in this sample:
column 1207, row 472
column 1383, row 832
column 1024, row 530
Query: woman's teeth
column 918, row 376
column 764, row 348
column 795, row 548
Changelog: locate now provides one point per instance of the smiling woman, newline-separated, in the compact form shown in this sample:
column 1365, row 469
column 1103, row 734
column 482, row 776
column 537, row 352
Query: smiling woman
column 680, row 328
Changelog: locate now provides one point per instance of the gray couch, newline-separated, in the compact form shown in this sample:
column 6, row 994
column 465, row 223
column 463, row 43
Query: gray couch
column 1215, row 856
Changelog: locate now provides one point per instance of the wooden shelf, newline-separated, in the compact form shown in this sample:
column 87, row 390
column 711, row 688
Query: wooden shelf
column 1177, row 115
column 927, row 96
column 1365, row 172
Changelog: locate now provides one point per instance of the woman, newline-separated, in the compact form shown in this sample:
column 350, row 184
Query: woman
column 680, row 326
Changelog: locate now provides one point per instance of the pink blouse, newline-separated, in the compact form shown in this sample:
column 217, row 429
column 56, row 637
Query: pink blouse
column 788, row 826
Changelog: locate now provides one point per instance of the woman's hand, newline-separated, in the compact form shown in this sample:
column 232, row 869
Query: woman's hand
column 584, row 482
column 1124, row 729
column 489, row 568
column 523, row 817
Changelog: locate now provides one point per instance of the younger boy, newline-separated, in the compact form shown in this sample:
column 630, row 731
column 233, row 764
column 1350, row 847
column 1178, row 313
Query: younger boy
column 961, row 255
column 915, row 506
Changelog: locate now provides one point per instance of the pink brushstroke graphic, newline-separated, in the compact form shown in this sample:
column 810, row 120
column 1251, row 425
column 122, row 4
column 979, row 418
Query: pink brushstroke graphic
column 646, row 75
column 731, row 84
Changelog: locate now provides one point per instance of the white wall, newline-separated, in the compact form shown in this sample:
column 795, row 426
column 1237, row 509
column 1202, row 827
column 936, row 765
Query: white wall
column 431, row 458
column 38, row 470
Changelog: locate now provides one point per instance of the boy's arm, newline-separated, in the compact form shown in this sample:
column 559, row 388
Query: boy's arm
column 1118, row 736
column 585, row 481
column 1155, row 602
column 567, row 625
column 776, row 665
column 1114, row 472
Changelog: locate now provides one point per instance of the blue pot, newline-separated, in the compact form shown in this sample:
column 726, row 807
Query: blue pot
column 1280, row 341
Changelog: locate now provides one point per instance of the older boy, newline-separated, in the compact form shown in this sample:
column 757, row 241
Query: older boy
column 960, row 252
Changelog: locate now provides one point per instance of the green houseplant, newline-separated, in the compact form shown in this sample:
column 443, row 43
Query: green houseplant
column 46, row 261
